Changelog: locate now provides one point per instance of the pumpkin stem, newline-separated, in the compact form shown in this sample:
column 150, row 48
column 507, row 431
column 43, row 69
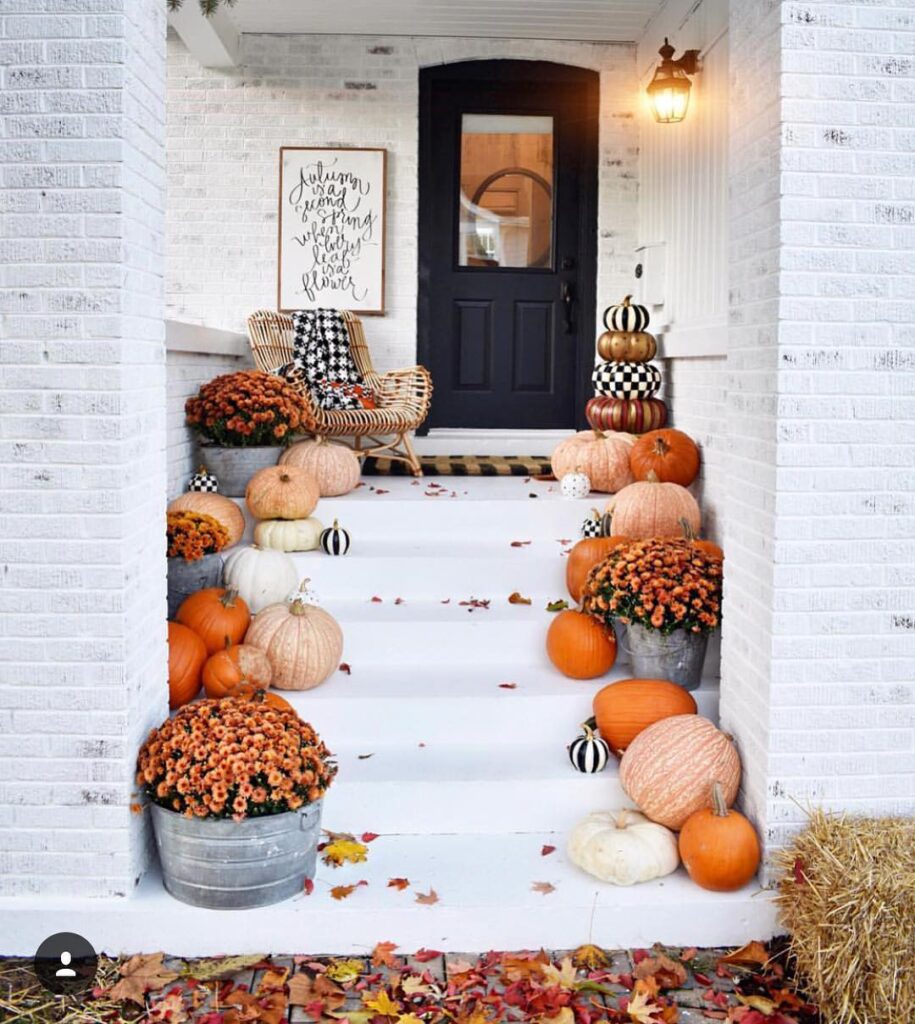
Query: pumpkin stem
column 622, row 819
column 661, row 447
column 228, row 598
column 599, row 434
column 228, row 642
column 652, row 477
column 202, row 469
column 336, row 526
column 688, row 532
column 588, row 730
column 719, row 807
column 284, row 478
column 297, row 605
column 627, row 301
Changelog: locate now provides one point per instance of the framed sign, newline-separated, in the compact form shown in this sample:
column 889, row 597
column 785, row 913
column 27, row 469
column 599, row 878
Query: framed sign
column 331, row 229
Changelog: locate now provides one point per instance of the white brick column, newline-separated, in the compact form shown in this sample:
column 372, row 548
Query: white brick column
column 82, row 568
column 819, row 641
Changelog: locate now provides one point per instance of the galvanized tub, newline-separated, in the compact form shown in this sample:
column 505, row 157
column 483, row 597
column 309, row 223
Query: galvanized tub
column 227, row 865
column 185, row 578
column 234, row 467
column 678, row 657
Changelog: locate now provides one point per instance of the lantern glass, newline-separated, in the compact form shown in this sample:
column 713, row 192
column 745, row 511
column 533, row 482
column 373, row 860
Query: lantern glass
column 669, row 97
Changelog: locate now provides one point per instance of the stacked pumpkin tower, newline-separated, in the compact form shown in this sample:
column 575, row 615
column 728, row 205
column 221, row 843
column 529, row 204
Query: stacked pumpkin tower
column 626, row 381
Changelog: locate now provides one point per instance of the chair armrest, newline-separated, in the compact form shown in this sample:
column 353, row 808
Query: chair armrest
column 411, row 385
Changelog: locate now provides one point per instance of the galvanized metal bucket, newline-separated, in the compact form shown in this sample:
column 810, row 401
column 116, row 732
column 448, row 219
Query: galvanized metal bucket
column 185, row 578
column 227, row 865
column 234, row 467
column 678, row 657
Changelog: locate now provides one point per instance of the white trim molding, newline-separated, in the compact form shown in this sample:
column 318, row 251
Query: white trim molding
column 214, row 40
column 184, row 337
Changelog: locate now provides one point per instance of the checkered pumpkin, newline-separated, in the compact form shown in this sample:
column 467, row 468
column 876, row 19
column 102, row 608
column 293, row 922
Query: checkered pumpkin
column 595, row 525
column 203, row 480
column 626, row 380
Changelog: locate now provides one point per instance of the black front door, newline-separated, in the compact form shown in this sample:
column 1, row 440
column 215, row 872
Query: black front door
column 507, row 241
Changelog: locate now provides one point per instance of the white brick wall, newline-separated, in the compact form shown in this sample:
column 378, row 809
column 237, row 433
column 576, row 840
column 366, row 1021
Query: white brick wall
column 819, row 644
column 82, row 668
column 224, row 133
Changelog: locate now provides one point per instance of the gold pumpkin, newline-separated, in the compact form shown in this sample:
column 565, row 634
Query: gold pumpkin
column 303, row 642
column 604, row 458
column 627, row 346
column 650, row 508
column 222, row 509
column 281, row 492
column 335, row 466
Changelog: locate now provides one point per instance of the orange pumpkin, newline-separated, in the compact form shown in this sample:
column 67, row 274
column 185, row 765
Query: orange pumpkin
column 282, row 492
column 669, row 768
column 670, row 454
column 708, row 547
column 584, row 556
column 653, row 509
column 604, row 458
column 579, row 646
column 186, row 655
column 625, row 708
column 236, row 664
column 222, row 509
column 719, row 848
column 216, row 615
column 255, row 694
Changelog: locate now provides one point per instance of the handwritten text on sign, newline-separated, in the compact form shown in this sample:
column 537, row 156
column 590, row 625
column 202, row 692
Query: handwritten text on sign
column 332, row 229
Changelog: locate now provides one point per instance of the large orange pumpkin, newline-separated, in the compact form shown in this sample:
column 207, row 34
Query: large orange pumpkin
column 584, row 556
column 625, row 708
column 603, row 457
column 653, row 509
column 218, row 616
column 186, row 655
column 719, row 848
column 282, row 492
column 236, row 664
column 579, row 646
column 222, row 509
column 669, row 768
column 670, row 454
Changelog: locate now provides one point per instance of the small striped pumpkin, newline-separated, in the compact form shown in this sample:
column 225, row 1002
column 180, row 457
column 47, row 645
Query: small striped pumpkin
column 669, row 769
column 335, row 540
column 589, row 753
column 626, row 316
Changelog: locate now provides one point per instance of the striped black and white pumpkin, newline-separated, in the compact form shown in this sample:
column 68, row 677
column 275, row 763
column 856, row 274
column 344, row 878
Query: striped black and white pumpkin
column 626, row 380
column 626, row 316
column 589, row 753
column 203, row 480
column 335, row 540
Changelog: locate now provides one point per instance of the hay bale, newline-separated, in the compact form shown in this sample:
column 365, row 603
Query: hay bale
column 847, row 898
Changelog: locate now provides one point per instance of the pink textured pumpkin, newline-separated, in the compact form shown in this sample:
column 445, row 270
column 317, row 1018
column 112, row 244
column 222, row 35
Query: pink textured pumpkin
column 669, row 769
column 653, row 509
column 603, row 457
column 335, row 466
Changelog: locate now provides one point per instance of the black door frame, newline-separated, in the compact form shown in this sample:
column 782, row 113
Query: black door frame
column 586, row 301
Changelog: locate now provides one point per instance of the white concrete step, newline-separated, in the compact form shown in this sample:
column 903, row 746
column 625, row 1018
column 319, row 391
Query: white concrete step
column 486, row 901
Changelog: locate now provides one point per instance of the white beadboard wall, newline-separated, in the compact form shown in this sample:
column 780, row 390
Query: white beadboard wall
column 683, row 225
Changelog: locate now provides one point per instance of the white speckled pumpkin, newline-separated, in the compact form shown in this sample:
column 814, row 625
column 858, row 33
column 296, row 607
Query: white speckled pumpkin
column 288, row 534
column 623, row 847
column 669, row 769
column 335, row 466
column 603, row 458
column 303, row 642
column 261, row 576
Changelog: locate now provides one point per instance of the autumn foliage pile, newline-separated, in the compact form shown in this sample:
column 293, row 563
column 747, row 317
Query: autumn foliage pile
column 665, row 585
column 245, row 409
column 191, row 535
column 234, row 758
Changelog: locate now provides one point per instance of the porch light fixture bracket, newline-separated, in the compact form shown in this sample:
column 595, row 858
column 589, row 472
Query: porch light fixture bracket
column 669, row 89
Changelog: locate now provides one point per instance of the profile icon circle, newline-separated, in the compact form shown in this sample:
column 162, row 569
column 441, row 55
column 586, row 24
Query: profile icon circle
column 66, row 964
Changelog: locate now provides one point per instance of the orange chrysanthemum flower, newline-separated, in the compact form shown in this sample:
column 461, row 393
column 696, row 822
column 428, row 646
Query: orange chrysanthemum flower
column 246, row 408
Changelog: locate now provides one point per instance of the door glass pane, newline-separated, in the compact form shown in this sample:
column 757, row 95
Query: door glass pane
column 506, row 217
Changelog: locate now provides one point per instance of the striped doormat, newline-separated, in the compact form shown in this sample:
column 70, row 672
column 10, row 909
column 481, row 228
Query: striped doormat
column 462, row 465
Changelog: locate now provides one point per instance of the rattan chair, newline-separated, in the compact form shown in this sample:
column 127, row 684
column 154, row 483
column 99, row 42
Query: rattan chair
column 402, row 396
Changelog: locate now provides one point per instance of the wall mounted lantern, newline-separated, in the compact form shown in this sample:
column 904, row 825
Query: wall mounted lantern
column 668, row 91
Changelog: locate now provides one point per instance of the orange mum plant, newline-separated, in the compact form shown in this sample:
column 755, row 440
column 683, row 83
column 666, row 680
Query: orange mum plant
column 244, row 409
column 191, row 535
column 234, row 758
column 659, row 583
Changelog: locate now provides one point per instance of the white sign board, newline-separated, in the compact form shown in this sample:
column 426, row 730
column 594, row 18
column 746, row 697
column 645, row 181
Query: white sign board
column 331, row 229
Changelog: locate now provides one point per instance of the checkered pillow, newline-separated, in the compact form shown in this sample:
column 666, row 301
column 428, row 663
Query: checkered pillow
column 626, row 380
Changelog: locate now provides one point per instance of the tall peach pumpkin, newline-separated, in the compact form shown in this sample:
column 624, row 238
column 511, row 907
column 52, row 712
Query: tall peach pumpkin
column 303, row 642
column 653, row 509
column 603, row 457
column 669, row 769
column 335, row 466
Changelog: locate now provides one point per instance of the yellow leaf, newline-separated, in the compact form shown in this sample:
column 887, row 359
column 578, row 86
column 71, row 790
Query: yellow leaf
column 565, row 1016
column 409, row 1018
column 642, row 1009
column 590, row 956
column 345, row 970
column 382, row 1003
column 413, row 986
column 563, row 976
column 765, row 1006
column 342, row 850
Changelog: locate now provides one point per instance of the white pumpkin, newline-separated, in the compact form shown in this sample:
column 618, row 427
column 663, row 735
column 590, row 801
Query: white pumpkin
column 261, row 576
column 288, row 534
column 623, row 847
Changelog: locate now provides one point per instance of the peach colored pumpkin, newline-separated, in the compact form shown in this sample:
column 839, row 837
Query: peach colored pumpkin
column 222, row 509
column 604, row 458
column 281, row 492
column 625, row 708
column 303, row 642
column 335, row 466
column 670, row 767
column 653, row 509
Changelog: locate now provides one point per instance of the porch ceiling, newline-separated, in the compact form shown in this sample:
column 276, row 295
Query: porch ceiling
column 598, row 20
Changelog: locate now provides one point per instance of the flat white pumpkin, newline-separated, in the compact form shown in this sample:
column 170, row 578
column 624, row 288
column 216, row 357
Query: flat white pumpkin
column 288, row 534
column 623, row 847
column 262, row 577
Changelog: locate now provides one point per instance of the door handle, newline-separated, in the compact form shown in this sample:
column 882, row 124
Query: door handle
column 568, row 301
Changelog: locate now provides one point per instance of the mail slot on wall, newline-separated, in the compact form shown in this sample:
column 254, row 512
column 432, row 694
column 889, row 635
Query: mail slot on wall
column 651, row 272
